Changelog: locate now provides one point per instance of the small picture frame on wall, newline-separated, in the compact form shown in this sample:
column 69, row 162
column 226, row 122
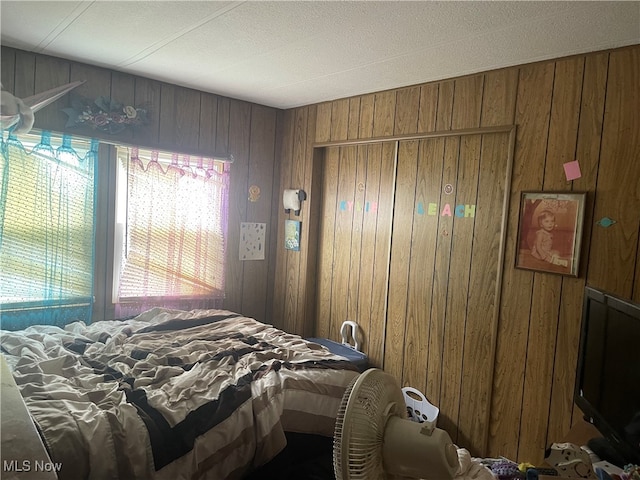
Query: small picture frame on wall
column 292, row 235
column 550, row 232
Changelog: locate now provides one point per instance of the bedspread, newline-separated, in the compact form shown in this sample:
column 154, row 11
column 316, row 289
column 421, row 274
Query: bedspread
column 171, row 394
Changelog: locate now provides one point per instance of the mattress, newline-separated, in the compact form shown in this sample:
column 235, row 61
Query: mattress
column 359, row 359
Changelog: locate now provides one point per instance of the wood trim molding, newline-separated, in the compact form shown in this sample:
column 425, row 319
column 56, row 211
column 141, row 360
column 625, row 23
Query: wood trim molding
column 417, row 136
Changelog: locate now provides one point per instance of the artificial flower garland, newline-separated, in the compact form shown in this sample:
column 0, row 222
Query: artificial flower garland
column 104, row 114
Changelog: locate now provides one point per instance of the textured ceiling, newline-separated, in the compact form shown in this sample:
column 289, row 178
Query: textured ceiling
column 287, row 54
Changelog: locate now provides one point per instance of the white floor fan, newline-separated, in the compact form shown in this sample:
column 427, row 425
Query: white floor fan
column 375, row 440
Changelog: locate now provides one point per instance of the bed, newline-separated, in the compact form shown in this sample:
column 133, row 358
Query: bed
column 172, row 394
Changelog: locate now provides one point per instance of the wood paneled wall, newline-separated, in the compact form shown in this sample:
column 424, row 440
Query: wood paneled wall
column 583, row 107
column 180, row 120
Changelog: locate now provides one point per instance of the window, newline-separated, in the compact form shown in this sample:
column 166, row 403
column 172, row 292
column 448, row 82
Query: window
column 47, row 205
column 171, row 220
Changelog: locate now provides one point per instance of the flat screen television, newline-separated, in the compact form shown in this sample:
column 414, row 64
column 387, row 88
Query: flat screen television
column 607, row 387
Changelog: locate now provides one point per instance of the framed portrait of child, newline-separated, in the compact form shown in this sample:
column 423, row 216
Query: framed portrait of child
column 550, row 232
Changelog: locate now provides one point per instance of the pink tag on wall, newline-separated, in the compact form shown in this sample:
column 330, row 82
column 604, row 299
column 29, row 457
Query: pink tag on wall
column 572, row 170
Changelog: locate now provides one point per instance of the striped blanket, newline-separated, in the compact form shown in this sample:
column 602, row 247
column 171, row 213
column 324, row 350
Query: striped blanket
column 171, row 394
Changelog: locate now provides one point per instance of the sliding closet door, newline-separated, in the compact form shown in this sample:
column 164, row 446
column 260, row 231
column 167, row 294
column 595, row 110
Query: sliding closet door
column 354, row 243
column 446, row 262
column 411, row 248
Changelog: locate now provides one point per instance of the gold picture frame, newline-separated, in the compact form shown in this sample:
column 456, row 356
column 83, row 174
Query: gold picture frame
column 550, row 232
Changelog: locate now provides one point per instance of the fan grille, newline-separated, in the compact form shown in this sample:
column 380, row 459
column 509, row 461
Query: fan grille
column 365, row 408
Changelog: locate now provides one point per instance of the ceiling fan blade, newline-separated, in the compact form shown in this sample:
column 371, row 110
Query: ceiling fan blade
column 40, row 100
